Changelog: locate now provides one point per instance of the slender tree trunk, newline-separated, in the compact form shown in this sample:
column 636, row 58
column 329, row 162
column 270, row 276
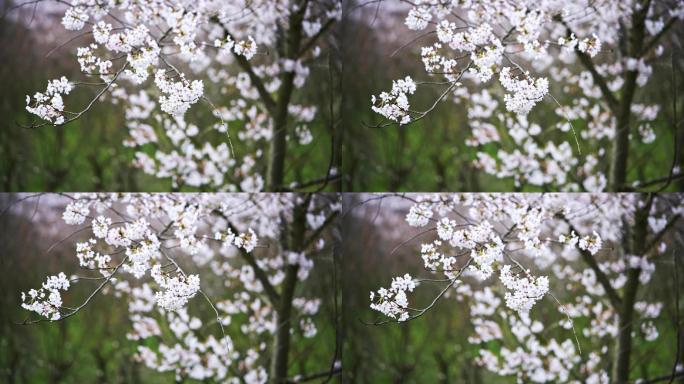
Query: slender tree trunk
column 623, row 349
column 618, row 166
column 624, row 341
column 278, row 149
column 620, row 153
column 678, row 128
column 338, row 64
column 281, row 348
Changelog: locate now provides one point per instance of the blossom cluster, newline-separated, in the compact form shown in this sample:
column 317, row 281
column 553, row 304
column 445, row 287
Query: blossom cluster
column 393, row 302
column 524, row 291
column 486, row 248
column 177, row 96
column 49, row 105
column 177, row 290
column 47, row 301
column 246, row 48
column 589, row 45
column 592, row 244
column 523, row 94
column 394, row 105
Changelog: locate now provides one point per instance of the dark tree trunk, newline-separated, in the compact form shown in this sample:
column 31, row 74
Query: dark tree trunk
column 636, row 246
column 281, row 349
column 620, row 154
column 276, row 165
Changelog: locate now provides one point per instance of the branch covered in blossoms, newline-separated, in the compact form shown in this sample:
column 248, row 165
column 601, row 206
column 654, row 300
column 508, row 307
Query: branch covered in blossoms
column 170, row 255
column 171, row 57
column 569, row 269
column 584, row 61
